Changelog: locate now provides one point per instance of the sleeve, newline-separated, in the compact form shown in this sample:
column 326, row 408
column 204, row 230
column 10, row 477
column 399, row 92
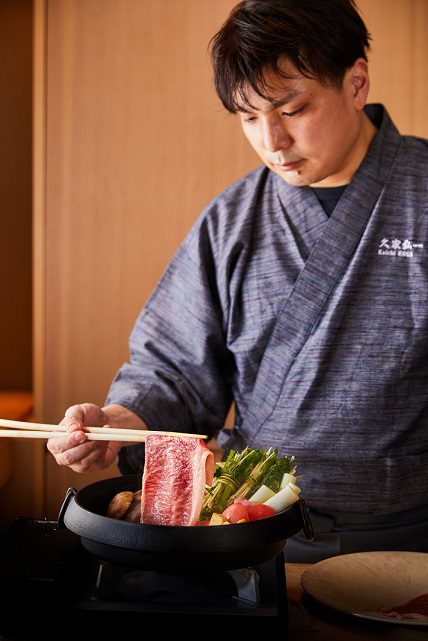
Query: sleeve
column 180, row 373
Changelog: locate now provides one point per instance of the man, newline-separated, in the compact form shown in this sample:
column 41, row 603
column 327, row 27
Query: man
column 300, row 293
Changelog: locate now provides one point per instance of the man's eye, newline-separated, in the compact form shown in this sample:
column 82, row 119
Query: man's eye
column 290, row 114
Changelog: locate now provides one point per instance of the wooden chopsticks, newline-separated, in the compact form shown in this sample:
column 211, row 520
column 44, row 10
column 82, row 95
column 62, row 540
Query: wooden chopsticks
column 21, row 429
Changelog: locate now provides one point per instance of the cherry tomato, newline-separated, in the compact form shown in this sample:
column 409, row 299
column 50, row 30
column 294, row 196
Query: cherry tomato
column 259, row 511
column 236, row 512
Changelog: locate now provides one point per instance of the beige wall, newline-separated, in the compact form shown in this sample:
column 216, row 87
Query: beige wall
column 131, row 142
column 136, row 145
column 399, row 60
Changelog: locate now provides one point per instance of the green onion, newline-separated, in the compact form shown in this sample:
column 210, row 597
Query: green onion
column 274, row 475
column 236, row 468
column 254, row 479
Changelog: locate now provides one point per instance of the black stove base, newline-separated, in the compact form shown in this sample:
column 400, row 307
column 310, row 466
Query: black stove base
column 51, row 588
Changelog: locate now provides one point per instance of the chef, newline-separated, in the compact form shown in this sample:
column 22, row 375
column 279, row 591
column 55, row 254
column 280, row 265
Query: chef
column 300, row 293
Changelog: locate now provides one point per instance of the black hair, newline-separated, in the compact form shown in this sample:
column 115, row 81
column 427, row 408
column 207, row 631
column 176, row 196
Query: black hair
column 321, row 38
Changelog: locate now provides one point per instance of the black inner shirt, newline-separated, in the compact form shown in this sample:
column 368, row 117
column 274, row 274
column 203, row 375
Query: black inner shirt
column 329, row 196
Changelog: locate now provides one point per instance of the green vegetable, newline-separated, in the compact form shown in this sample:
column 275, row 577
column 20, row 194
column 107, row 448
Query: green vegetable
column 236, row 468
column 256, row 476
column 218, row 468
column 274, row 475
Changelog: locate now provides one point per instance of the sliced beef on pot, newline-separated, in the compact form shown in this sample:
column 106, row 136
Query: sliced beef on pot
column 175, row 474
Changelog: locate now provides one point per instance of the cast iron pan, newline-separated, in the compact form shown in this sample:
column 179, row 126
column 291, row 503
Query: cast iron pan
column 174, row 549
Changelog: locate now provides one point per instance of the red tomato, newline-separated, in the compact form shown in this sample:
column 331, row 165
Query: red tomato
column 236, row 512
column 202, row 522
column 259, row 511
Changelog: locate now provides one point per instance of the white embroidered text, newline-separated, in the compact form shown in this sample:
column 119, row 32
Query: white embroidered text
column 397, row 247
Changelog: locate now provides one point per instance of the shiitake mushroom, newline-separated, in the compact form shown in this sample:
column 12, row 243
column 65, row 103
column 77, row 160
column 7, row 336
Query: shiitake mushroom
column 125, row 505
column 119, row 505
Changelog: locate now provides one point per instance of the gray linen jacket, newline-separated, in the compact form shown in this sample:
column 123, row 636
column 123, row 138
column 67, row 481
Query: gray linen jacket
column 316, row 327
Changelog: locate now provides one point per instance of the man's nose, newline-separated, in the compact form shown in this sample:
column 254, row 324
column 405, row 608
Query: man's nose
column 276, row 136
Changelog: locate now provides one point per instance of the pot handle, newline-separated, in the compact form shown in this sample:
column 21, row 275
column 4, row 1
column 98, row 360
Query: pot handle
column 307, row 523
column 71, row 493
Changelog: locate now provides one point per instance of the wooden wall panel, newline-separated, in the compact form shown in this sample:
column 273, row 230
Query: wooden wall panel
column 15, row 194
column 399, row 60
column 19, row 493
column 136, row 143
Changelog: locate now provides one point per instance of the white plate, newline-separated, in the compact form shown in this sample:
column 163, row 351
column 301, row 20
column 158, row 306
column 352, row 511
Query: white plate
column 361, row 583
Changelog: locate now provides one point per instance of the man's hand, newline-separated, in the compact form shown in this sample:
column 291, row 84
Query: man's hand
column 75, row 451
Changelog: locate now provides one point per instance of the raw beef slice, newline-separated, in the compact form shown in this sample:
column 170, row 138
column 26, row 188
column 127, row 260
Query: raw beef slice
column 416, row 608
column 176, row 471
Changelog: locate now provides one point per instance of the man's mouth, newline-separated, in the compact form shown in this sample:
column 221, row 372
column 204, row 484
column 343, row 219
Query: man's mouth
column 288, row 165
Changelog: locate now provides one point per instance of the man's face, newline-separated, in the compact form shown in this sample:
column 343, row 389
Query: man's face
column 312, row 134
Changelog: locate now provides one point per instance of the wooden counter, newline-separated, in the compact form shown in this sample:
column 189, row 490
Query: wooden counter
column 312, row 621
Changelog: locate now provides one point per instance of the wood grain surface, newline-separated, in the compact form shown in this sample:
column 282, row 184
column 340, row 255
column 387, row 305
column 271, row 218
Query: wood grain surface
column 130, row 144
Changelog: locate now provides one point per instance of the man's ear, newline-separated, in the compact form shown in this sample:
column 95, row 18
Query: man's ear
column 359, row 84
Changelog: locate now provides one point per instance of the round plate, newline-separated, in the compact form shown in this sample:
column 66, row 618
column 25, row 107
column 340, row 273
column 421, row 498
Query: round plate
column 361, row 583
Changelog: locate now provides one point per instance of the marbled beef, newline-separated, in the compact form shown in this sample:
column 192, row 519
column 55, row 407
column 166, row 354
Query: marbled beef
column 416, row 608
column 175, row 474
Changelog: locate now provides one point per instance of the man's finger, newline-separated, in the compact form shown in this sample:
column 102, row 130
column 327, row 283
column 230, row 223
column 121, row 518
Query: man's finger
column 59, row 444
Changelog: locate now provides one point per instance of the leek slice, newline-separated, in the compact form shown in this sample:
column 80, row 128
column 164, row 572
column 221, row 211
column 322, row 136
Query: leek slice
column 295, row 487
column 286, row 479
column 282, row 499
column 263, row 494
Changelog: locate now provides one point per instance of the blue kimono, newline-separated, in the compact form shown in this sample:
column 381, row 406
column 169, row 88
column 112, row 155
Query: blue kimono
column 315, row 326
